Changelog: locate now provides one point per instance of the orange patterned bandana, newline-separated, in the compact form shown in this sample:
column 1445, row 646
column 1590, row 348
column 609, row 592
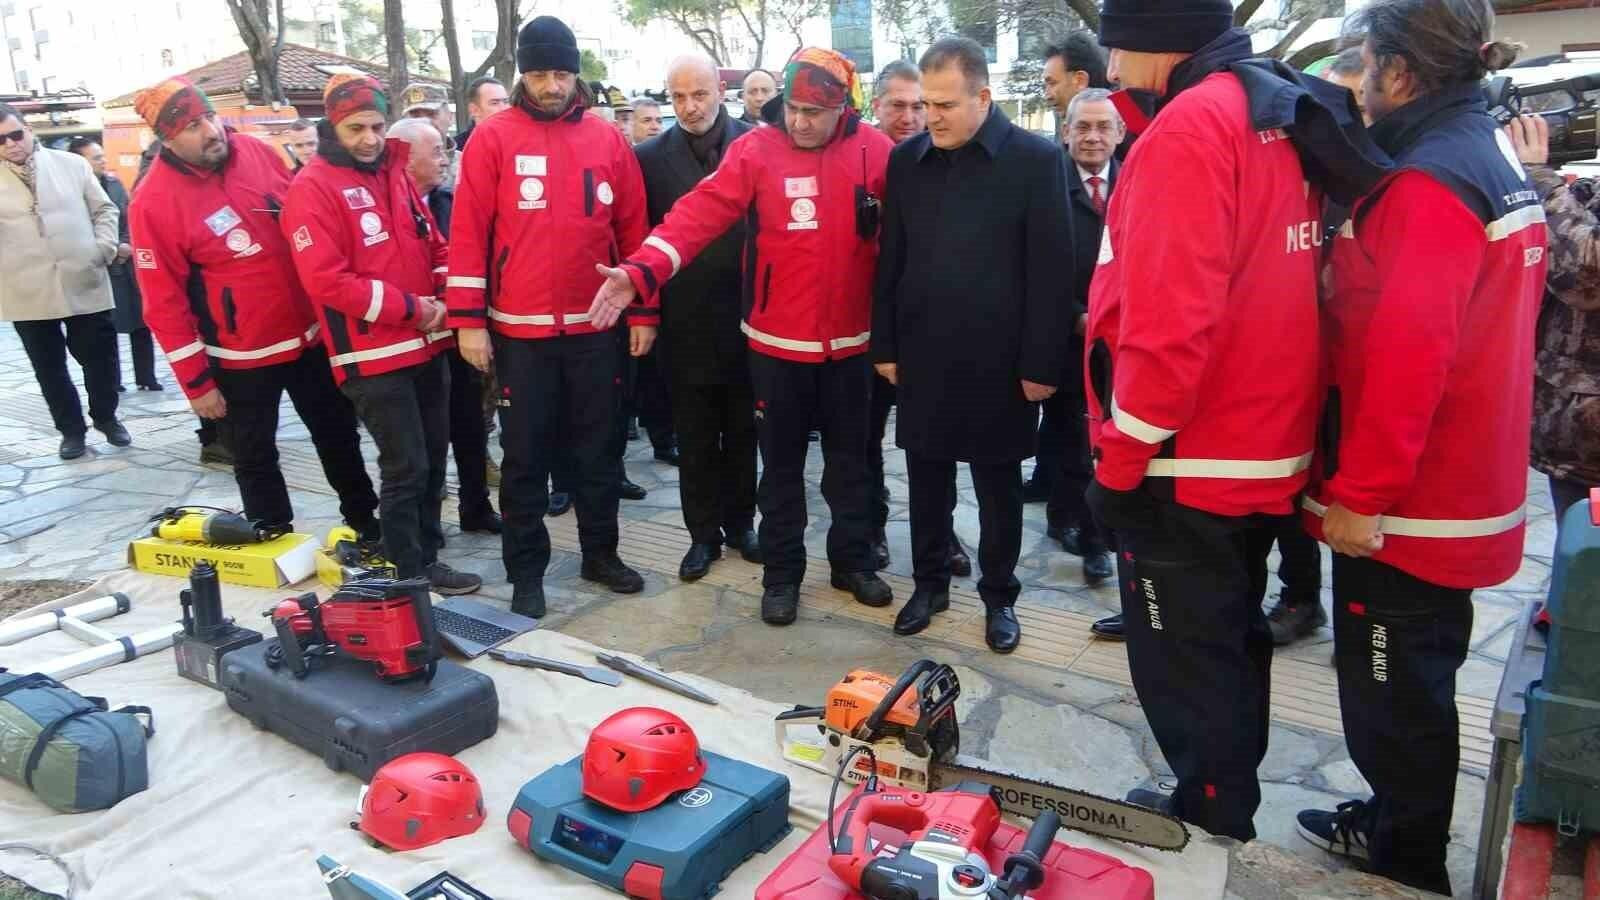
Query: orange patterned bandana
column 348, row 94
column 170, row 106
column 819, row 77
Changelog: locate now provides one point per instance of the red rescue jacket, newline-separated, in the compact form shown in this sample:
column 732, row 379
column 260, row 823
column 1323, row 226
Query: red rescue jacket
column 367, row 247
column 1203, row 348
column 539, row 202
column 807, row 271
column 213, row 266
column 1430, row 336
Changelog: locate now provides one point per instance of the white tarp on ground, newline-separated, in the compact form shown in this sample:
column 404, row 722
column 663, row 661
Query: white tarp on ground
column 239, row 813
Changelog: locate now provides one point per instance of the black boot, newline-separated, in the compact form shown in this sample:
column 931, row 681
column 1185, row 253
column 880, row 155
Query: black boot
column 960, row 562
column 919, row 610
column 72, row 446
column 747, row 543
column 1001, row 631
column 610, row 571
column 527, row 599
column 697, row 562
column 880, row 550
column 1096, row 567
column 627, row 490
column 868, row 588
column 780, row 604
column 485, row 519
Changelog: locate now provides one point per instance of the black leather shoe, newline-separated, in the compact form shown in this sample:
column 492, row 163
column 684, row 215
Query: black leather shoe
column 668, row 456
column 960, row 562
column 1110, row 628
column 1035, row 491
column 560, row 502
column 697, row 562
column 880, row 550
column 1068, row 536
column 780, row 604
column 72, row 446
column 527, row 599
column 151, row 386
column 918, row 611
column 1150, row 799
column 486, row 521
column 746, row 541
column 611, row 572
column 1097, row 568
column 1001, row 630
column 627, row 490
column 116, row 435
column 868, row 588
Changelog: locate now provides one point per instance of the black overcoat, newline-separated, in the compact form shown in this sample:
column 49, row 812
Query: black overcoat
column 127, row 315
column 1087, row 226
column 974, row 291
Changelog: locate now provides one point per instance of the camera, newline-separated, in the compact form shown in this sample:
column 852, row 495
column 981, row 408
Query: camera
column 1564, row 105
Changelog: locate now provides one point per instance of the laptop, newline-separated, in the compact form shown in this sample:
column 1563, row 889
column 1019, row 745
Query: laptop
column 471, row 628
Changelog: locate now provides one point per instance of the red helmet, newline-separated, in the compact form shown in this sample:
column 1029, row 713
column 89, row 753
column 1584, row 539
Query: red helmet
column 421, row 799
column 639, row 757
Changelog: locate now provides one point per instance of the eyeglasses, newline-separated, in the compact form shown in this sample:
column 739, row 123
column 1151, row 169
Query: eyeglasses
column 10, row 136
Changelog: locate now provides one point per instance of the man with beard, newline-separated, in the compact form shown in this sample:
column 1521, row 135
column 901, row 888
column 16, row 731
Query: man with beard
column 701, row 348
column 547, row 192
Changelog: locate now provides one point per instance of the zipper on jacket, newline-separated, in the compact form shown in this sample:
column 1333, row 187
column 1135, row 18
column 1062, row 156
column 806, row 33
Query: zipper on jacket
column 588, row 192
column 230, row 311
column 766, row 286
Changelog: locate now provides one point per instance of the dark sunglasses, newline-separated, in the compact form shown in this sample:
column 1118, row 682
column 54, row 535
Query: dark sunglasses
column 9, row 136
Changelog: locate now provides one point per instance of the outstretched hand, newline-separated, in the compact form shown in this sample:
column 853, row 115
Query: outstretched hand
column 613, row 297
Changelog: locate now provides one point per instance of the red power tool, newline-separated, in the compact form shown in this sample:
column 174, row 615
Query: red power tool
column 386, row 622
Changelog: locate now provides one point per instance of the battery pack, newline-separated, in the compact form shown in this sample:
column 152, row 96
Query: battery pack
column 679, row 850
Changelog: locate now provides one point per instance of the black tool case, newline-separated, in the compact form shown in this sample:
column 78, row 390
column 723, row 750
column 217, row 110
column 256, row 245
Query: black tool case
column 356, row 722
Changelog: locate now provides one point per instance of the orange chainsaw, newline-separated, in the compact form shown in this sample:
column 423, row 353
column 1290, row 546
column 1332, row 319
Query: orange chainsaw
column 910, row 725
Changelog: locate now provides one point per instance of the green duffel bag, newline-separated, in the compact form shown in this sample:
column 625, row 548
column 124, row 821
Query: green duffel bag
column 70, row 750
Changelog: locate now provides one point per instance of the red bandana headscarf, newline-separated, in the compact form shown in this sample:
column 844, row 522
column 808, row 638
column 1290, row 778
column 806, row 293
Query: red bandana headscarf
column 819, row 77
column 170, row 106
column 348, row 94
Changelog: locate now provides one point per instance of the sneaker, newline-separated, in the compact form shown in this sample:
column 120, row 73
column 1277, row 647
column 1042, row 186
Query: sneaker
column 447, row 581
column 1292, row 621
column 1342, row 832
column 216, row 454
column 612, row 572
column 116, row 435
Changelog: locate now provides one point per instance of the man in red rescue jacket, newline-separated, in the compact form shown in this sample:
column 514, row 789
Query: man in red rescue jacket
column 222, row 298
column 810, row 191
column 547, row 191
column 1436, row 286
column 373, row 260
column 1202, row 363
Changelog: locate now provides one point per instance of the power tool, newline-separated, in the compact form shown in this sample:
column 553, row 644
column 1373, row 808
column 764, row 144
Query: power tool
column 206, row 634
column 344, row 556
column 909, row 724
column 896, row 844
column 386, row 622
column 210, row 525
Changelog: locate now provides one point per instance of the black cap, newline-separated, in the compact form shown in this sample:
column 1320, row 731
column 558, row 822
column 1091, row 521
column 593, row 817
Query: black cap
column 1163, row 26
column 547, row 43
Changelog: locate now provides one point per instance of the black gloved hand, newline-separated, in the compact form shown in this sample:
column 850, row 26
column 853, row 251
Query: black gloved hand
column 1120, row 511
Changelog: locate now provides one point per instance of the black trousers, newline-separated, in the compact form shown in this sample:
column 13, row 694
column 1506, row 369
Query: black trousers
column 407, row 413
column 558, row 396
column 1398, row 642
column 650, row 399
column 717, row 458
column 789, row 398
column 250, row 431
column 142, row 347
column 1054, row 421
column 92, row 341
column 469, row 436
column 883, row 400
column 999, row 490
column 1299, row 563
column 1069, row 426
column 1201, row 654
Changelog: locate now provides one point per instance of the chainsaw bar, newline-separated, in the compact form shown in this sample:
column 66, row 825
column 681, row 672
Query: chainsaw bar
column 1079, row 810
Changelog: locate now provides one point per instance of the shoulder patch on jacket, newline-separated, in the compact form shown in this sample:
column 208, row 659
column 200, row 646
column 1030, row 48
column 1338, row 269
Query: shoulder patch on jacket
column 302, row 238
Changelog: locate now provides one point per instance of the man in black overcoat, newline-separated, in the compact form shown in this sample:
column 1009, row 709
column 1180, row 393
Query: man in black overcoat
column 971, row 321
column 701, row 348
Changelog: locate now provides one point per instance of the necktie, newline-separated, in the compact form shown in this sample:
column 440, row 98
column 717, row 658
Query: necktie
column 1094, row 193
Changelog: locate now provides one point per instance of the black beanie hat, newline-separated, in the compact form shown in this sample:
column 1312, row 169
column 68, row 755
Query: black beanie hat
column 547, row 43
column 1163, row 26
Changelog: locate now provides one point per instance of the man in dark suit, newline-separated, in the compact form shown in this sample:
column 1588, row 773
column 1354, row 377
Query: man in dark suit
column 970, row 375
column 1092, row 131
column 702, row 350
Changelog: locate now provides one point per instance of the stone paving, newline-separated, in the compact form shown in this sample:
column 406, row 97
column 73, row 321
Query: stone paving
column 73, row 520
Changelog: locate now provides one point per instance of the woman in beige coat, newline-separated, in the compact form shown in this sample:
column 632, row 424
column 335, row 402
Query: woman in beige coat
column 58, row 232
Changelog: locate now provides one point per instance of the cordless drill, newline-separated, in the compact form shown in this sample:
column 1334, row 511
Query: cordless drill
column 210, row 525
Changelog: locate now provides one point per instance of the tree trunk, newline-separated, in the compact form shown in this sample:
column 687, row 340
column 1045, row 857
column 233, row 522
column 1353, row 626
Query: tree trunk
column 452, row 50
column 1244, row 11
column 1088, row 11
column 394, row 40
column 255, row 24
